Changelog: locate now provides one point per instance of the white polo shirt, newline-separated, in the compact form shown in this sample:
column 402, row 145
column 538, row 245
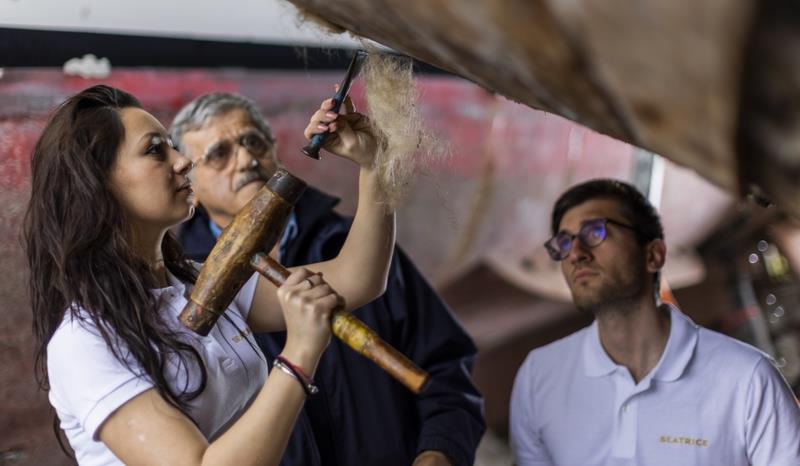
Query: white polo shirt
column 87, row 383
column 711, row 400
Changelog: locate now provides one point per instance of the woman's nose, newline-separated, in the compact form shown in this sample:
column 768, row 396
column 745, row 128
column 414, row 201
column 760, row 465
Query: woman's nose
column 183, row 165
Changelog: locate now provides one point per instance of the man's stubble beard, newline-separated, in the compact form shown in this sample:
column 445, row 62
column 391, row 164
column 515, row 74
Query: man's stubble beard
column 618, row 297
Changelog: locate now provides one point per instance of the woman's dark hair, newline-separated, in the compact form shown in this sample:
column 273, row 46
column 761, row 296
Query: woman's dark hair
column 79, row 246
column 632, row 205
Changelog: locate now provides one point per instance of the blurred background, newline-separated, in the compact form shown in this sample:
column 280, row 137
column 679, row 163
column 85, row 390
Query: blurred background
column 474, row 223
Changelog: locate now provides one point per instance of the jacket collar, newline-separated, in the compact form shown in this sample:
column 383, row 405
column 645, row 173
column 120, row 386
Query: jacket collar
column 197, row 238
column 312, row 205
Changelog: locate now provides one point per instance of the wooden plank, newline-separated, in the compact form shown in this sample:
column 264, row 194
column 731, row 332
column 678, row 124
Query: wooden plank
column 665, row 76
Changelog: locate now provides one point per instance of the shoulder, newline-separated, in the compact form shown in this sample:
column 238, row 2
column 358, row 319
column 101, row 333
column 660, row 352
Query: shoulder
column 76, row 334
column 315, row 210
column 552, row 358
column 315, row 203
column 557, row 350
column 89, row 379
column 79, row 353
column 727, row 354
column 737, row 362
column 733, row 363
column 321, row 231
column 78, row 345
column 545, row 372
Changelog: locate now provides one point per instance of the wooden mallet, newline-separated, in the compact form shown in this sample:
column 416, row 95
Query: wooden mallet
column 240, row 250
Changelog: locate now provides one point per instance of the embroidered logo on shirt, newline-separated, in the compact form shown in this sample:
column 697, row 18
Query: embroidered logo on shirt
column 695, row 442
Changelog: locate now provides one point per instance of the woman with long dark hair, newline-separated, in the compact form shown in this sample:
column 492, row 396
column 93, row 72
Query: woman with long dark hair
column 107, row 280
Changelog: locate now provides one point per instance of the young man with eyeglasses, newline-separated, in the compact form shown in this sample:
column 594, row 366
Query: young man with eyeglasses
column 642, row 385
column 360, row 416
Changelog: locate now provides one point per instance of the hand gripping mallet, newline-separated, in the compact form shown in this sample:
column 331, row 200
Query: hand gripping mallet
column 239, row 250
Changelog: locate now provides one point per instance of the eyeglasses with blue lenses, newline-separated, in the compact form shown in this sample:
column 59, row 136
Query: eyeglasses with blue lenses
column 591, row 234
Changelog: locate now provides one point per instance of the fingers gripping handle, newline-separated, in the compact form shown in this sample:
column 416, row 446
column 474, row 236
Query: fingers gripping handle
column 312, row 149
column 355, row 333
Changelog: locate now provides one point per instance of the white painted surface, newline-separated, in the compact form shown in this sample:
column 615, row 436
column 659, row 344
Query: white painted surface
column 262, row 21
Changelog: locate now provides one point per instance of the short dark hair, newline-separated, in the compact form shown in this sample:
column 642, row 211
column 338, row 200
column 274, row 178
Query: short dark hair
column 633, row 206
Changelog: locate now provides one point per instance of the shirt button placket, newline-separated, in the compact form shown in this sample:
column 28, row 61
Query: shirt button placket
column 628, row 421
column 625, row 438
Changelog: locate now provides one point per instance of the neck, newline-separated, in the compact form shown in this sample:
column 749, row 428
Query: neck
column 221, row 220
column 147, row 245
column 635, row 336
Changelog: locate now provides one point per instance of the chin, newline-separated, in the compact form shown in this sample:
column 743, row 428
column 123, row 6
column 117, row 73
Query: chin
column 185, row 213
column 584, row 303
column 586, row 298
column 248, row 192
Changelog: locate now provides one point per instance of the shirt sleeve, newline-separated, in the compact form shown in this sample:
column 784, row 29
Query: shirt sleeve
column 772, row 426
column 450, row 408
column 413, row 318
column 87, row 382
column 526, row 442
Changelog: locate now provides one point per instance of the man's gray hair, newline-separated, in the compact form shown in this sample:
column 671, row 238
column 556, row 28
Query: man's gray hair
column 196, row 113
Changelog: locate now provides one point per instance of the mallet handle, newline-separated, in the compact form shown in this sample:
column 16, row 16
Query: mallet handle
column 355, row 333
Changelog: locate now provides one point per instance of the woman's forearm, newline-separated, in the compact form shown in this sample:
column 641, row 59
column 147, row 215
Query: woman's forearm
column 260, row 435
column 360, row 271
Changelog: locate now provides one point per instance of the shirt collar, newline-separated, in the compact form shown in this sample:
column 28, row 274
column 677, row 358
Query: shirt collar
column 173, row 284
column 683, row 334
column 215, row 229
column 595, row 359
column 677, row 353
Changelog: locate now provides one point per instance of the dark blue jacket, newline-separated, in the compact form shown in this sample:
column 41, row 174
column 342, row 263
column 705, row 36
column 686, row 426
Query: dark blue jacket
column 362, row 417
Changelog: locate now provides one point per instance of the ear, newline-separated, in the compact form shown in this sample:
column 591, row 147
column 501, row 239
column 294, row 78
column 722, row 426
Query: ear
column 656, row 255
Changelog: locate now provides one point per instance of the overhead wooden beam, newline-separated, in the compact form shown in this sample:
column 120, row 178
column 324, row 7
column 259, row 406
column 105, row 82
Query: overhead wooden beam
column 681, row 78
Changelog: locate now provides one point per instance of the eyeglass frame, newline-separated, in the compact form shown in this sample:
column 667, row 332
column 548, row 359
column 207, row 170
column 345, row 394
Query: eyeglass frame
column 269, row 144
column 557, row 255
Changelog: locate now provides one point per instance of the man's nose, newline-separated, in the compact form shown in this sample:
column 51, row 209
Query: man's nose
column 578, row 252
column 244, row 159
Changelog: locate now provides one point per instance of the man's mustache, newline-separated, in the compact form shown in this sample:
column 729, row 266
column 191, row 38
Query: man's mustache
column 248, row 176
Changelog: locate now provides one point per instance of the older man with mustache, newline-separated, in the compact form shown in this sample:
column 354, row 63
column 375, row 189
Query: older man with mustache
column 361, row 416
